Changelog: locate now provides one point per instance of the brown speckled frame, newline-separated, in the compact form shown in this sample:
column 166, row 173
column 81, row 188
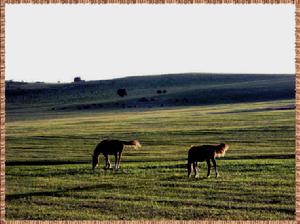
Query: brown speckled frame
column 2, row 104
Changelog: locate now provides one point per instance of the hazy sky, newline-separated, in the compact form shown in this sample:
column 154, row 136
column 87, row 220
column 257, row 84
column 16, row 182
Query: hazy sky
column 58, row 42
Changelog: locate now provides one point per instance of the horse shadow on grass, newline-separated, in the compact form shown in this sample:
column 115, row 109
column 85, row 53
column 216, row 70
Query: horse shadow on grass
column 64, row 190
column 183, row 178
column 54, row 173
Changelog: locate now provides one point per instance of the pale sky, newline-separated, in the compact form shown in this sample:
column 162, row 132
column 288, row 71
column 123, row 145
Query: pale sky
column 58, row 42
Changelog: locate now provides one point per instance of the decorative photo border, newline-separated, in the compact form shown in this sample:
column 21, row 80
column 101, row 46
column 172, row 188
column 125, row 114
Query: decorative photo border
column 2, row 101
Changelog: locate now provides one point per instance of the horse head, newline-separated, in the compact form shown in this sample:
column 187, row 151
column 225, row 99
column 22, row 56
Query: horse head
column 95, row 161
column 136, row 144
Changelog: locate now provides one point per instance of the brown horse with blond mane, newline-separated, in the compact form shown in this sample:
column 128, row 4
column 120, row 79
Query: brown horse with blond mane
column 205, row 153
column 111, row 147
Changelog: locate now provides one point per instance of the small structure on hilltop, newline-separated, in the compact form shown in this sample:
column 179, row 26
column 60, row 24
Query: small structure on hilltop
column 77, row 79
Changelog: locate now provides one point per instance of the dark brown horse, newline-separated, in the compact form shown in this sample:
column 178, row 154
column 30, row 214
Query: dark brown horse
column 111, row 147
column 205, row 153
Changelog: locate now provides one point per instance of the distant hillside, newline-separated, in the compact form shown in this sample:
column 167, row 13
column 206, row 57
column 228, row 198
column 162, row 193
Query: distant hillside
column 142, row 92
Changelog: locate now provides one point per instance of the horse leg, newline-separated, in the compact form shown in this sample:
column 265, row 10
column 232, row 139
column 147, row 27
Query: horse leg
column 116, row 161
column 107, row 163
column 119, row 159
column 189, row 168
column 195, row 169
column 208, row 168
column 215, row 166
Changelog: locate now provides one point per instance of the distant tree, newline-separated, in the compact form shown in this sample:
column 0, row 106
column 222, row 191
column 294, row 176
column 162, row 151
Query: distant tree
column 158, row 91
column 78, row 79
column 122, row 92
column 143, row 99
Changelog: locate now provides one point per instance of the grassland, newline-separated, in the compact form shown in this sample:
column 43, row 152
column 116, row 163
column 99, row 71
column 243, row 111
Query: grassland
column 48, row 170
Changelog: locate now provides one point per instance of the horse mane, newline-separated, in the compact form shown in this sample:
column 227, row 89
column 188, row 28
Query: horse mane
column 135, row 143
column 221, row 150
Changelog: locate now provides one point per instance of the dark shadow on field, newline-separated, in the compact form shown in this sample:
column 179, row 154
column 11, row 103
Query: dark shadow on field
column 62, row 137
column 246, row 157
column 224, row 206
column 288, row 107
column 65, row 172
column 235, row 131
column 243, row 157
column 44, row 162
column 184, row 177
column 67, row 162
column 62, row 191
column 165, row 166
column 71, row 162
column 73, row 172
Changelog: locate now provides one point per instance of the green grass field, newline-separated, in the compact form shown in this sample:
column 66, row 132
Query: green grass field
column 48, row 170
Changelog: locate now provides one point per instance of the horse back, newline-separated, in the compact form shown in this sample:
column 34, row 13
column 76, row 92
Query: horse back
column 110, row 147
column 201, row 153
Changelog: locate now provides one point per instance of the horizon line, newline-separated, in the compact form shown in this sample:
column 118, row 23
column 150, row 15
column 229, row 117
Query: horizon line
column 134, row 76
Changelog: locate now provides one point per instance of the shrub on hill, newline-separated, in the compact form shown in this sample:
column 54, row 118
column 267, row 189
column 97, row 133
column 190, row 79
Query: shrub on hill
column 122, row 92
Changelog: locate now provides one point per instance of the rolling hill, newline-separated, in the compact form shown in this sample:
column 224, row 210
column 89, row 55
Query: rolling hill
column 181, row 90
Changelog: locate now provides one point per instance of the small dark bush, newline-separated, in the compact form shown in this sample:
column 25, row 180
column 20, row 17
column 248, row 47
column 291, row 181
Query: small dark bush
column 143, row 99
column 122, row 92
